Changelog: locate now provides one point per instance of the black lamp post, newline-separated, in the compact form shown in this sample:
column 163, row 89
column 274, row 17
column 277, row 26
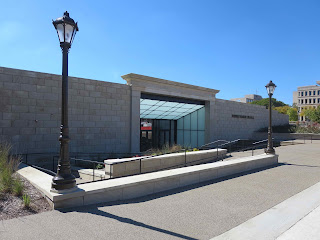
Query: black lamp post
column 270, row 89
column 66, row 28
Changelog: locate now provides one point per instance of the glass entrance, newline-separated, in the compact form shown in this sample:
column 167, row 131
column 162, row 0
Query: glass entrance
column 160, row 116
column 157, row 133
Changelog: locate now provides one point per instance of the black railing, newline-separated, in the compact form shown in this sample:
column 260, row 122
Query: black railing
column 78, row 161
column 140, row 159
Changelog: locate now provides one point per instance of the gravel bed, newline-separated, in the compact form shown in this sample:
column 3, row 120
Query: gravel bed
column 12, row 206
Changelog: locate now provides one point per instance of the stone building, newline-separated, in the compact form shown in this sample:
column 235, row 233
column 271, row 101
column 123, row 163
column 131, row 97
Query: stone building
column 247, row 98
column 107, row 117
column 306, row 97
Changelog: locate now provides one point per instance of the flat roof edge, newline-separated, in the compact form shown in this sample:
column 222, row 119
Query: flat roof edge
column 134, row 76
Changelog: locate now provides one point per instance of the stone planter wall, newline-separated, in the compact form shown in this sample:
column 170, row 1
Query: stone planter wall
column 130, row 166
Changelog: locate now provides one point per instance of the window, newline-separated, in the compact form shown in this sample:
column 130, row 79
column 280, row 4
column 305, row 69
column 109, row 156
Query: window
column 314, row 93
column 309, row 93
column 301, row 94
column 318, row 100
column 301, row 101
column 301, row 118
column 318, row 92
column 299, row 109
column 309, row 100
column 306, row 93
column 314, row 100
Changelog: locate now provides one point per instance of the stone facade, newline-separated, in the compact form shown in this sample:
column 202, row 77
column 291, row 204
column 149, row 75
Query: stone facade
column 104, row 117
column 30, row 113
column 233, row 120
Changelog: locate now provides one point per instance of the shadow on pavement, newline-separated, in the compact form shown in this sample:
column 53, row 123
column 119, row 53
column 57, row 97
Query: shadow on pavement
column 94, row 209
column 298, row 165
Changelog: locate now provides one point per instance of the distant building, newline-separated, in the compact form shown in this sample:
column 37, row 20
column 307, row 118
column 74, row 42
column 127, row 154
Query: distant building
column 306, row 97
column 247, row 98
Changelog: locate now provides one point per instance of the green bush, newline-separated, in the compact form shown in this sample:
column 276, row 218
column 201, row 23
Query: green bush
column 280, row 129
column 164, row 150
column 8, row 165
column 100, row 166
column 26, row 200
column 17, row 187
column 6, row 180
column 308, row 129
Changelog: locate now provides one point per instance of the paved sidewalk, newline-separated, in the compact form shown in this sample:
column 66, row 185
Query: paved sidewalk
column 306, row 229
column 279, row 219
column 201, row 211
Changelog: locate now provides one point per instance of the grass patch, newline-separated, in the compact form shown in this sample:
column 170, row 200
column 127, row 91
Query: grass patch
column 17, row 187
column 26, row 200
column 8, row 165
column 168, row 149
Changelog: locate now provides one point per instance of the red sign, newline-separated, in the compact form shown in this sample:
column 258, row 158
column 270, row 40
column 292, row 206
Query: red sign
column 146, row 128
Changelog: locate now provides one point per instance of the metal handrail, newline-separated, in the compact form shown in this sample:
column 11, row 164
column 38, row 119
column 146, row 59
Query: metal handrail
column 42, row 169
column 146, row 157
column 213, row 143
column 224, row 143
column 265, row 140
column 237, row 140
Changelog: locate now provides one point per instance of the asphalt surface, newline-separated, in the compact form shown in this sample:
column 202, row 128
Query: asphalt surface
column 200, row 211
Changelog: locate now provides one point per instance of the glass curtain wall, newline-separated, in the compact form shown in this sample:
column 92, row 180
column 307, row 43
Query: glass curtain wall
column 190, row 129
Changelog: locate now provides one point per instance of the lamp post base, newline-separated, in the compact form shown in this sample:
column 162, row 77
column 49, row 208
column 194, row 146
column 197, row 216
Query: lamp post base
column 62, row 183
column 70, row 190
column 269, row 151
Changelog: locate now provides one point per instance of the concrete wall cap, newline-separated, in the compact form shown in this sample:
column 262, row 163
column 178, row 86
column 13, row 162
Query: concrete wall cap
column 131, row 77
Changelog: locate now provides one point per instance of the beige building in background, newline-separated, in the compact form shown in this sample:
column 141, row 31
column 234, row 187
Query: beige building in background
column 247, row 98
column 306, row 97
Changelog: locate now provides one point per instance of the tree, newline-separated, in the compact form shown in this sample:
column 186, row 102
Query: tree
column 293, row 114
column 313, row 114
column 265, row 102
column 282, row 110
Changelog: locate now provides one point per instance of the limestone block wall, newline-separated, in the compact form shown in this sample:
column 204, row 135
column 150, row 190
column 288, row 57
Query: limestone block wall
column 99, row 113
column 233, row 120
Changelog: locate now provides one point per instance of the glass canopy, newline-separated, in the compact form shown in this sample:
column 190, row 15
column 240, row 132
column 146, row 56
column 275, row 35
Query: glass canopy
column 159, row 109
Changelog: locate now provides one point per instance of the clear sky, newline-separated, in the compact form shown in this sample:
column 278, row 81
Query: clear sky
column 230, row 45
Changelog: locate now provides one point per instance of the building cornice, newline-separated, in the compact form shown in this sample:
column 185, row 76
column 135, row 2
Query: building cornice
column 131, row 77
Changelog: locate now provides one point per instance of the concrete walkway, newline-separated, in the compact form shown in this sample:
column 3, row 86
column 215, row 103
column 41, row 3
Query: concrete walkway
column 276, row 221
column 202, row 211
column 307, row 228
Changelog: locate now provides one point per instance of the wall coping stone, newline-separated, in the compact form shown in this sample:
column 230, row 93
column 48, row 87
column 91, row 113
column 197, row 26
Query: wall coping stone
column 42, row 180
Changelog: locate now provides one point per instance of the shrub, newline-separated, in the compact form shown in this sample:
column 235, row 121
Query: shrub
column 280, row 129
column 6, row 180
column 26, row 200
column 308, row 129
column 8, row 165
column 4, row 153
column 165, row 149
column 100, row 166
column 17, row 187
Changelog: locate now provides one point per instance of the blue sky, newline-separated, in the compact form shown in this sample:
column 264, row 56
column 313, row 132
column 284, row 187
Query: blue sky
column 230, row 45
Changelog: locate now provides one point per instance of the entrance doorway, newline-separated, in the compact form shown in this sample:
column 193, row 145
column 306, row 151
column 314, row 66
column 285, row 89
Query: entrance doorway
column 157, row 133
column 161, row 118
